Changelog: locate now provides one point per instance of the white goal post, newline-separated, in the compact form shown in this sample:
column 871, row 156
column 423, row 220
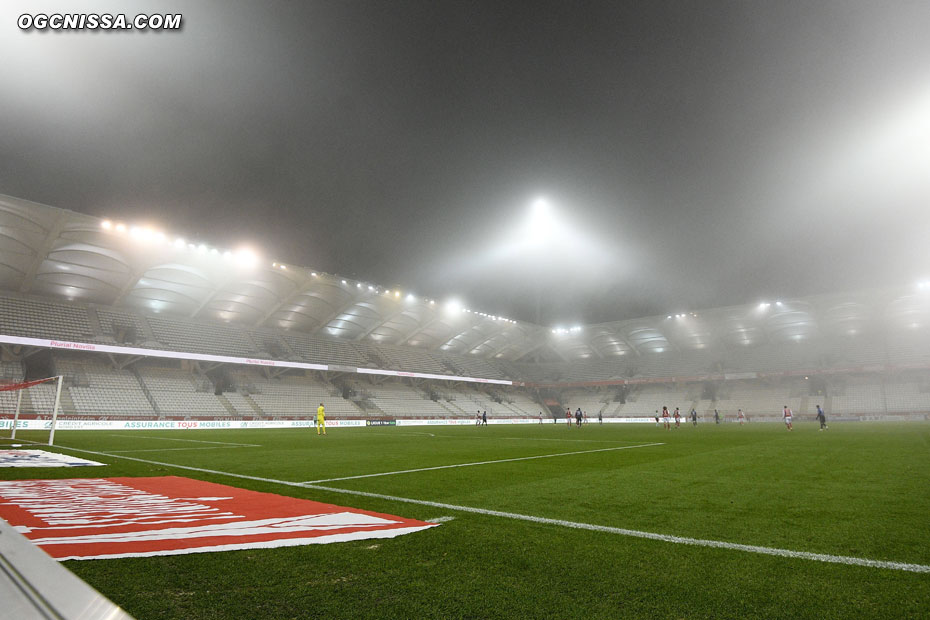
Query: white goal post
column 25, row 385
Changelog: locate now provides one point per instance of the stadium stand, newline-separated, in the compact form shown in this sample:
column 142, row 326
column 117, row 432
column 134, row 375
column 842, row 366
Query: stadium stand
column 299, row 396
column 98, row 390
column 863, row 361
column 398, row 400
column 320, row 351
column 122, row 327
column 198, row 337
column 34, row 318
column 178, row 393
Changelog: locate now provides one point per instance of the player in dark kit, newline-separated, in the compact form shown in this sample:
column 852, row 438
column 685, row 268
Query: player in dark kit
column 716, row 417
column 821, row 417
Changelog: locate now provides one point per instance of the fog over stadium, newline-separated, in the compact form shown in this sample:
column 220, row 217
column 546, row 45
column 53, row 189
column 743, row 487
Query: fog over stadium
column 613, row 160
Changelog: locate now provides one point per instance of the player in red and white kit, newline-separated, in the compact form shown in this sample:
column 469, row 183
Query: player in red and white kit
column 741, row 416
column 665, row 418
column 677, row 418
column 786, row 414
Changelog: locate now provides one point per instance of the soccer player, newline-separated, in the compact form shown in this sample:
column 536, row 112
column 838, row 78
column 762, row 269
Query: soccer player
column 821, row 417
column 540, row 417
column 484, row 418
column 741, row 416
column 665, row 418
column 578, row 415
column 716, row 417
column 568, row 416
column 600, row 417
column 786, row 414
column 478, row 418
column 677, row 418
column 657, row 418
column 320, row 420
column 693, row 417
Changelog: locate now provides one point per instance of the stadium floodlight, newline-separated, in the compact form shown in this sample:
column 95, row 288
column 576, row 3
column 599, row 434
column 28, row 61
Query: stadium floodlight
column 396, row 293
column 245, row 257
column 344, row 282
column 283, row 267
column 358, row 285
column 313, row 273
column 370, row 287
column 410, row 297
column 778, row 303
column 179, row 243
column 453, row 306
column 106, row 224
column 121, row 228
column 543, row 223
column 202, row 249
column 432, row 302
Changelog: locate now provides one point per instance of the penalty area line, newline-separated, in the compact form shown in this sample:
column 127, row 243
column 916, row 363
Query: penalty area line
column 492, row 462
column 683, row 540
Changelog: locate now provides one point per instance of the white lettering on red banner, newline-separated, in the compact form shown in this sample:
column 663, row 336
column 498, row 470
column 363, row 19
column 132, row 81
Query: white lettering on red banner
column 95, row 518
column 40, row 458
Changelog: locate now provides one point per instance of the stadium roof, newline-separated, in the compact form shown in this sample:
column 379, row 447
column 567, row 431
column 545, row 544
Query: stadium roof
column 60, row 254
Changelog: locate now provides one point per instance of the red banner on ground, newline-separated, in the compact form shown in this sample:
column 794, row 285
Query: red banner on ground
column 94, row 518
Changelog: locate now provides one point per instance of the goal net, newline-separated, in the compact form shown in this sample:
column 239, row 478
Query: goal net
column 40, row 398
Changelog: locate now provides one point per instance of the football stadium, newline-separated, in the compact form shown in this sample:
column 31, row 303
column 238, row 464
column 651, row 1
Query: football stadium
column 271, row 353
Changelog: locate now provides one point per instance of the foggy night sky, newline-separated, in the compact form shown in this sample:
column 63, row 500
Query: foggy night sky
column 703, row 153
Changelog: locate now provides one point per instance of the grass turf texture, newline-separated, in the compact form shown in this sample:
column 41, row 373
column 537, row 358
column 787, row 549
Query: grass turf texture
column 858, row 490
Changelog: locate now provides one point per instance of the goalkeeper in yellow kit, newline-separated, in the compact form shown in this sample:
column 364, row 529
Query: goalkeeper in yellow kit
column 320, row 420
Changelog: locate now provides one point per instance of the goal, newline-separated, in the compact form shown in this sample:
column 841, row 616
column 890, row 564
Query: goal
column 40, row 402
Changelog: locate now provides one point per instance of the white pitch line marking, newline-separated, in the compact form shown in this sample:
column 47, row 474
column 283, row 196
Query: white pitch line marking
column 802, row 555
column 440, row 519
column 530, row 439
column 521, row 458
column 221, row 443
column 682, row 540
column 188, row 449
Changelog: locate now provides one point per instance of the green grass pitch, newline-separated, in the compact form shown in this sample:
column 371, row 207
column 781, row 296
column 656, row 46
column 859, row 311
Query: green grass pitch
column 859, row 489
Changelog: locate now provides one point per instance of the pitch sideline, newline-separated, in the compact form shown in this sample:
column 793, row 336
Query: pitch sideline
column 699, row 542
